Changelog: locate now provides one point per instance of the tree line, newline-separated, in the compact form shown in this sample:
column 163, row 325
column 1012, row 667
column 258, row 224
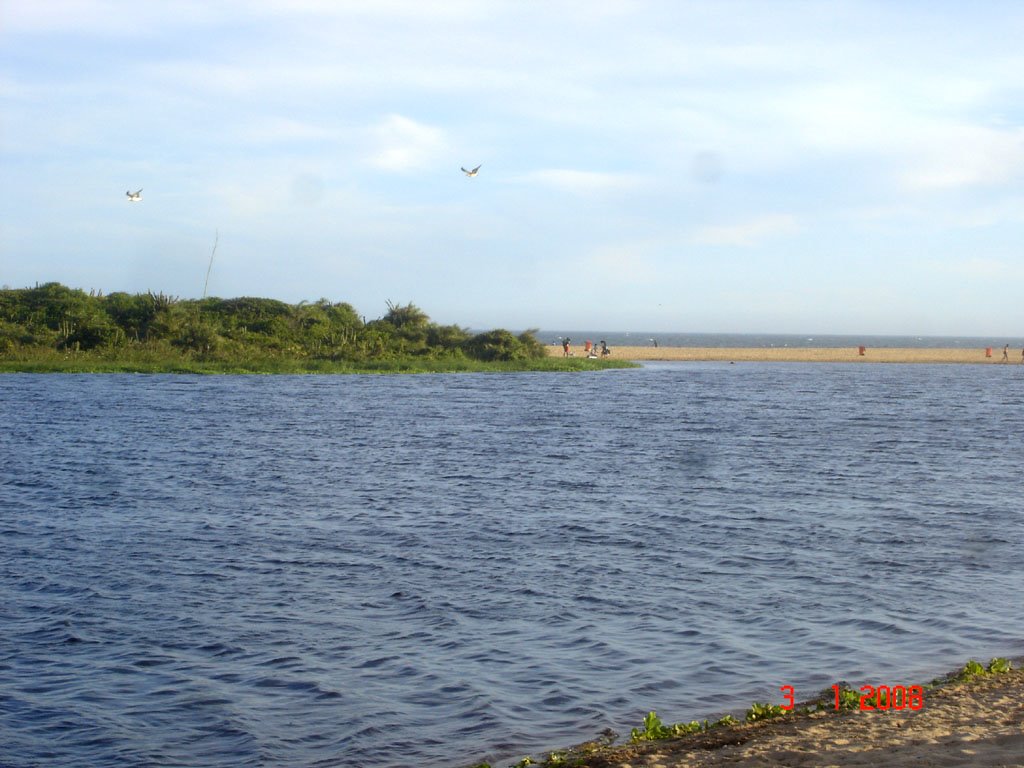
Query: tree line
column 54, row 317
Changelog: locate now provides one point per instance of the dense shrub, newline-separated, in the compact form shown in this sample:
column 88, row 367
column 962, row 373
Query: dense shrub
column 503, row 345
column 52, row 316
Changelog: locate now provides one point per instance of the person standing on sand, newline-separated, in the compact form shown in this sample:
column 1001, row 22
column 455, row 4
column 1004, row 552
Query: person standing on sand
column 565, row 346
column 1006, row 353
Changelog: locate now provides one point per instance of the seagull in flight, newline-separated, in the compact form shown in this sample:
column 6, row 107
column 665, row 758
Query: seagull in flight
column 473, row 172
column 134, row 197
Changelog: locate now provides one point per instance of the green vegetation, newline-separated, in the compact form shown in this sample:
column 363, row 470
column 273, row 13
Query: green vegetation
column 653, row 729
column 848, row 698
column 53, row 328
column 999, row 666
column 763, row 712
column 973, row 669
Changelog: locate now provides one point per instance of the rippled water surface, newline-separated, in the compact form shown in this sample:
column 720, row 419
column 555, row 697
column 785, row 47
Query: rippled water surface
column 435, row 570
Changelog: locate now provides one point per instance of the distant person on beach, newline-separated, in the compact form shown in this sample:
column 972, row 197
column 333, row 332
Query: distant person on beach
column 1006, row 353
column 565, row 346
column 604, row 349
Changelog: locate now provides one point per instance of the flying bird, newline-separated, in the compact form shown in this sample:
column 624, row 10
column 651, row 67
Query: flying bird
column 134, row 197
column 471, row 173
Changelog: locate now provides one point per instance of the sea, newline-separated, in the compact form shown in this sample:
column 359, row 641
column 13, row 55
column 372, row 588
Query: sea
column 438, row 570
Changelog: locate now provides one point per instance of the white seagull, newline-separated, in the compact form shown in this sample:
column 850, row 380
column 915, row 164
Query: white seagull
column 134, row 197
column 473, row 172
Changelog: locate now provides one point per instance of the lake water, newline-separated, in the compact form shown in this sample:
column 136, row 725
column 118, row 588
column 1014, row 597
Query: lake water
column 435, row 570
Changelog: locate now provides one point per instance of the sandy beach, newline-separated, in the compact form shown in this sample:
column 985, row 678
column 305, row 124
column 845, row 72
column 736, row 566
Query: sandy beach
column 974, row 724
column 807, row 354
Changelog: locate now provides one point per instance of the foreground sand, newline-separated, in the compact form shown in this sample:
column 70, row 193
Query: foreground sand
column 806, row 355
column 978, row 723
column 974, row 724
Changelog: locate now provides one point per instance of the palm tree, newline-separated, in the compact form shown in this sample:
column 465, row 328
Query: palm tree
column 408, row 316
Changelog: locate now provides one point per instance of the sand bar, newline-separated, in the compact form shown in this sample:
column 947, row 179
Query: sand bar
column 807, row 354
column 977, row 723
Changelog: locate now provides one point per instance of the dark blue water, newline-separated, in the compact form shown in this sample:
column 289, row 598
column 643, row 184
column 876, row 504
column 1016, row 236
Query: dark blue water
column 435, row 570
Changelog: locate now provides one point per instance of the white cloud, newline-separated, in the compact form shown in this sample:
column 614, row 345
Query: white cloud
column 249, row 199
column 279, row 129
column 11, row 88
column 621, row 264
column 106, row 18
column 750, row 232
column 403, row 145
column 966, row 155
column 382, row 8
column 1007, row 210
column 845, row 116
column 983, row 268
column 582, row 182
column 956, row 213
column 248, row 76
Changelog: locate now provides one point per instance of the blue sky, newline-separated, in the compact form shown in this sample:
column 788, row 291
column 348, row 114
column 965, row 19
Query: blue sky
column 648, row 165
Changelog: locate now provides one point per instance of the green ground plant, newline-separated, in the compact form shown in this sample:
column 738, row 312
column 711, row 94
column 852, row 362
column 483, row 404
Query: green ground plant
column 654, row 729
column 763, row 712
column 973, row 669
column 849, row 699
column 53, row 328
column 999, row 666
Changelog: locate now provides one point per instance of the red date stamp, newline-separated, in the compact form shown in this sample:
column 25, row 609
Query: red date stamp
column 872, row 698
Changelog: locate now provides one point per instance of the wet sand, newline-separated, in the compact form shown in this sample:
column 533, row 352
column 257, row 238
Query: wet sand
column 806, row 354
column 977, row 723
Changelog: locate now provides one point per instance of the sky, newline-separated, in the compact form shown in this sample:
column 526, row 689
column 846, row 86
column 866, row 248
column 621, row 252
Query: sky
column 746, row 166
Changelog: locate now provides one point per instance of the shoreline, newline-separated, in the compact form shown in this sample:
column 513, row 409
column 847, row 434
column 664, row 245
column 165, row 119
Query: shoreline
column 804, row 355
column 976, row 723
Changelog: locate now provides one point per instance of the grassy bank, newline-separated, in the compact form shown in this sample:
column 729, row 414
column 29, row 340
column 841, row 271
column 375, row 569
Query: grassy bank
column 51, row 328
column 148, row 361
